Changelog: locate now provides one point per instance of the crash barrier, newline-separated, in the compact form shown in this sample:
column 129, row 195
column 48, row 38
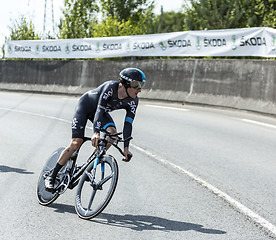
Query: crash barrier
column 237, row 83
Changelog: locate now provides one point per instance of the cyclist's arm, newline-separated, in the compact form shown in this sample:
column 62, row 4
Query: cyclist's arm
column 130, row 115
column 104, row 98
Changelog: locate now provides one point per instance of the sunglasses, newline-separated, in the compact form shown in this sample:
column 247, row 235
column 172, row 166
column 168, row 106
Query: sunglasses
column 136, row 84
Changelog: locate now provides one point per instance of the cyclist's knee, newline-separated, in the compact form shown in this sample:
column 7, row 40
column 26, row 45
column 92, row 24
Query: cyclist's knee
column 75, row 144
column 111, row 130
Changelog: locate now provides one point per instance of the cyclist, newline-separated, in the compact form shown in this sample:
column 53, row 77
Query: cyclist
column 95, row 105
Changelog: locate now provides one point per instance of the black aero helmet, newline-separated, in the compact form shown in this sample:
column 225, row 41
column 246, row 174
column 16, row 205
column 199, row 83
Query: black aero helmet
column 133, row 77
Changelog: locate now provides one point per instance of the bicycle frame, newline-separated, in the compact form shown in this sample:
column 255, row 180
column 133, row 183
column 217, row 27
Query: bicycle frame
column 101, row 151
column 75, row 178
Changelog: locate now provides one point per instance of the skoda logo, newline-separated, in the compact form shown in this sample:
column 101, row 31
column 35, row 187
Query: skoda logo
column 67, row 48
column 37, row 49
column 163, row 45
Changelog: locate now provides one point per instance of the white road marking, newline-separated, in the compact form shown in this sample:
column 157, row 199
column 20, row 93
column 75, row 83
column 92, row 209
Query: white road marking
column 239, row 206
column 258, row 123
column 165, row 107
column 35, row 114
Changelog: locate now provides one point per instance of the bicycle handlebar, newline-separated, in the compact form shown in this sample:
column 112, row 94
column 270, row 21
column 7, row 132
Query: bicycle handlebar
column 114, row 136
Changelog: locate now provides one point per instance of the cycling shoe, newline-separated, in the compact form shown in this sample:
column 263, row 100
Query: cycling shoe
column 49, row 183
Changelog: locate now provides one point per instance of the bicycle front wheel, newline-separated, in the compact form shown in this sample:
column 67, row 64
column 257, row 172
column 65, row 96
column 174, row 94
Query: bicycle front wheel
column 96, row 187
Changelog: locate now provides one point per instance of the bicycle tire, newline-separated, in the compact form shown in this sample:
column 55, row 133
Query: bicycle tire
column 111, row 168
column 43, row 196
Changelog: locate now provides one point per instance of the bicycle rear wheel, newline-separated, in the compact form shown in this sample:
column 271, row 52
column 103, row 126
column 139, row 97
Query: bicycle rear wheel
column 95, row 188
column 44, row 197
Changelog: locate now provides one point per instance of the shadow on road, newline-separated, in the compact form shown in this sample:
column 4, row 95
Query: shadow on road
column 143, row 222
column 6, row 169
column 63, row 208
column 140, row 222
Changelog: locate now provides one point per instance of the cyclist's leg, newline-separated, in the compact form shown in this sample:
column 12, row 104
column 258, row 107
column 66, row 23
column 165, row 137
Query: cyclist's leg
column 69, row 150
column 109, row 125
column 64, row 157
column 78, row 128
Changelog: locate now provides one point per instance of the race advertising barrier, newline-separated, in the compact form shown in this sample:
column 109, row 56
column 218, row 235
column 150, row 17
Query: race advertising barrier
column 229, row 42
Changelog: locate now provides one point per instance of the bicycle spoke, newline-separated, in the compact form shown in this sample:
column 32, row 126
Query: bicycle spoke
column 91, row 199
column 102, row 182
column 90, row 203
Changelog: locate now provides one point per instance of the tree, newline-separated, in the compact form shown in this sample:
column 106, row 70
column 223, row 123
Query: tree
column 126, row 17
column 125, row 10
column 113, row 27
column 220, row 14
column 22, row 29
column 119, row 17
column 269, row 10
column 79, row 18
column 216, row 14
column 262, row 13
column 169, row 21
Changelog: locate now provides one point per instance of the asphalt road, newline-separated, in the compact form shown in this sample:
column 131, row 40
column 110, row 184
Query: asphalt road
column 158, row 195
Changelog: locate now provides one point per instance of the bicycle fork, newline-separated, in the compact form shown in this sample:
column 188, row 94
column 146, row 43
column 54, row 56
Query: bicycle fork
column 91, row 176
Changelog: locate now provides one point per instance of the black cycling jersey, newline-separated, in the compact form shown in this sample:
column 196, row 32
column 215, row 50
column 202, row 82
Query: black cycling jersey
column 95, row 105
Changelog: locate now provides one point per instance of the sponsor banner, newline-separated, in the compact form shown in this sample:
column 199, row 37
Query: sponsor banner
column 228, row 42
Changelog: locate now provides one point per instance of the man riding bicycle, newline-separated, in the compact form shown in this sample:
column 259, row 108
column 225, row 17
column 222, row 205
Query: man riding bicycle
column 95, row 105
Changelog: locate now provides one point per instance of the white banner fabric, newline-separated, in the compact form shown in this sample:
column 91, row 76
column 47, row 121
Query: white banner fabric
column 259, row 42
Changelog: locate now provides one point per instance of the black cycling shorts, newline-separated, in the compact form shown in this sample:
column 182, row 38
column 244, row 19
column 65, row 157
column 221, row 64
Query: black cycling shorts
column 86, row 111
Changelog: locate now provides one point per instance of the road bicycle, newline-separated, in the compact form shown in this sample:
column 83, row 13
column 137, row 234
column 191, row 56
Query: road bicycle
column 96, row 178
